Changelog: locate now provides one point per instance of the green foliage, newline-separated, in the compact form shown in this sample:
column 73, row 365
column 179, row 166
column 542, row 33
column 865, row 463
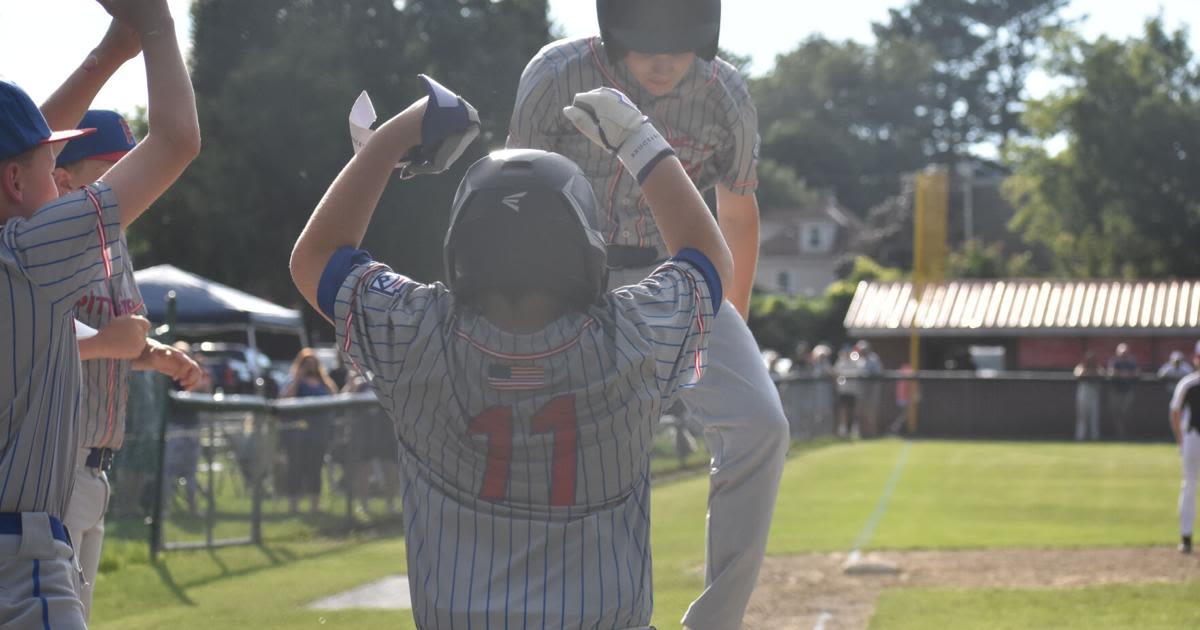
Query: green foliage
column 942, row 75
column 984, row 51
column 988, row 262
column 1123, row 199
column 779, row 321
column 274, row 83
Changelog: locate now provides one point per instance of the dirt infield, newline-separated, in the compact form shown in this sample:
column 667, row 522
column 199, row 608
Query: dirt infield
column 810, row 591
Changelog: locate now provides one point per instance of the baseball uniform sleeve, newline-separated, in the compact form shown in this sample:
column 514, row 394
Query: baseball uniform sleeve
column 738, row 158
column 537, row 118
column 674, row 309
column 1181, row 389
column 378, row 314
column 65, row 247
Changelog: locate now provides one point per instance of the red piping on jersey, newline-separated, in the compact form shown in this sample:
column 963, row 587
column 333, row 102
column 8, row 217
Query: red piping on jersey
column 371, row 269
column 603, row 70
column 110, row 422
column 519, row 357
column 713, row 76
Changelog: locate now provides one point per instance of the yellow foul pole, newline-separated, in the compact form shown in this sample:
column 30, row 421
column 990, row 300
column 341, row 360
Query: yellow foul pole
column 929, row 259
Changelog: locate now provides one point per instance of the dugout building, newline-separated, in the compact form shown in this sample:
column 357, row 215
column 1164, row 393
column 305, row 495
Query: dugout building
column 1025, row 337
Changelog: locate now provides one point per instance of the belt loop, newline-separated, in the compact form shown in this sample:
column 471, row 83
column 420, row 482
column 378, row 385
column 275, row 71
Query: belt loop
column 37, row 541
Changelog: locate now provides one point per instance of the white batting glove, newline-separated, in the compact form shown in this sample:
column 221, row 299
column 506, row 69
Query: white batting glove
column 608, row 118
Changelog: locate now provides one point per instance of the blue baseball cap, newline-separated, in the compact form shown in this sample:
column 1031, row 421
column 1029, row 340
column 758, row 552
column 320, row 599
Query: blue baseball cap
column 112, row 140
column 22, row 126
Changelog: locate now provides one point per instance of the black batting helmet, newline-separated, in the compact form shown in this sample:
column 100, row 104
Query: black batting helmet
column 659, row 27
column 522, row 221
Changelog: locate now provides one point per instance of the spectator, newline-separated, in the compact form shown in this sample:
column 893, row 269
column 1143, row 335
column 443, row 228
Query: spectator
column 824, row 386
column 304, row 440
column 872, row 369
column 1123, row 370
column 1174, row 369
column 374, row 450
column 182, row 456
column 802, row 361
column 906, row 390
column 1087, row 398
column 849, row 369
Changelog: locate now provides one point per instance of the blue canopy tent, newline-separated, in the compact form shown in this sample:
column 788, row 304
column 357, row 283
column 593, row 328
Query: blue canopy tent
column 204, row 307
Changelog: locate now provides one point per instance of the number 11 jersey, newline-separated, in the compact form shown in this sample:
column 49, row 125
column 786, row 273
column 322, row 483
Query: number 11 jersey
column 525, row 458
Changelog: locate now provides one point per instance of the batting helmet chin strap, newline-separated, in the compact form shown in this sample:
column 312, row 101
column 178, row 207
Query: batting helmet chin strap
column 659, row 27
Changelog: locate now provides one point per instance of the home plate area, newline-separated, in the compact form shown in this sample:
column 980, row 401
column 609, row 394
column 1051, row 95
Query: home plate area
column 390, row 593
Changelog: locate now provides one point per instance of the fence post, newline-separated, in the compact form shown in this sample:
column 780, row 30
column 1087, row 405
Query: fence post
column 156, row 528
column 261, row 465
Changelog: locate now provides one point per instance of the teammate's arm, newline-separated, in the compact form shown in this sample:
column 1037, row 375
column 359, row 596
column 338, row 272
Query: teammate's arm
column 609, row 119
column 67, row 105
column 175, row 364
column 1176, row 421
column 737, row 216
column 343, row 214
column 173, row 140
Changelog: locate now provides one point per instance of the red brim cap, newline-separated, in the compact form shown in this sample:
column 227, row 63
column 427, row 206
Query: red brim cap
column 69, row 134
column 115, row 156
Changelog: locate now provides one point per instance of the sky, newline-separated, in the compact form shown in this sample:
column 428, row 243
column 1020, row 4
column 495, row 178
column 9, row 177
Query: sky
column 761, row 29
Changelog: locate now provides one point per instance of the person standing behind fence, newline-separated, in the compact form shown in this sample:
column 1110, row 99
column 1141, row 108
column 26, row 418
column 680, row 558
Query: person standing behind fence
column 1123, row 370
column 1185, row 424
column 304, row 440
column 373, row 448
column 1174, row 370
column 824, row 398
column 849, row 370
column 1087, row 398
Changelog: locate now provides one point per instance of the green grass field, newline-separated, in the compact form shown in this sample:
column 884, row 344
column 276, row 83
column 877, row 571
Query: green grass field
column 946, row 495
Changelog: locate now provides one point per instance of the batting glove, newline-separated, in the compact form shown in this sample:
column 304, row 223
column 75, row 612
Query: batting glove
column 608, row 118
column 449, row 125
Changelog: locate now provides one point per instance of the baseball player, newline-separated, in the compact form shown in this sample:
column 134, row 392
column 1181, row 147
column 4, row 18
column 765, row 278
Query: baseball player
column 524, row 394
column 1185, row 423
column 105, row 377
column 52, row 252
column 663, row 55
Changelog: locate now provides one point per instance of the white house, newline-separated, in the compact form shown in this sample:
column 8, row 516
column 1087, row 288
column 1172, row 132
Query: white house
column 800, row 248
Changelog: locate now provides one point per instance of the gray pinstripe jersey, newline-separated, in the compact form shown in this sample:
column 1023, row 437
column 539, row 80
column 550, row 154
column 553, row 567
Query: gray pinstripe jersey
column 47, row 263
column 525, row 458
column 709, row 119
column 106, row 381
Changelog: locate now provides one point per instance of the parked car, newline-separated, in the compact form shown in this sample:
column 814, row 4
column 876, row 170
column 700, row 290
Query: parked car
column 238, row 369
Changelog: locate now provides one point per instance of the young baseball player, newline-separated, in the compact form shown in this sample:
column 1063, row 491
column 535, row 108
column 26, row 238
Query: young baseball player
column 1185, row 423
column 524, row 393
column 662, row 54
column 52, row 252
column 105, row 376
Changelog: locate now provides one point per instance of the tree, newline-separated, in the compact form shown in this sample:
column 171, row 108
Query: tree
column 1123, row 198
column 846, row 117
column 984, row 51
column 274, row 82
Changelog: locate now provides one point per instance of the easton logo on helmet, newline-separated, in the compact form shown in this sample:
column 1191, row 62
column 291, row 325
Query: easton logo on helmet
column 513, row 201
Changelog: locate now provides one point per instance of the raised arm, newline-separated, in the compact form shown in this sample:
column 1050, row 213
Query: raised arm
column 173, row 140
column 67, row 105
column 610, row 120
column 429, row 136
column 342, row 216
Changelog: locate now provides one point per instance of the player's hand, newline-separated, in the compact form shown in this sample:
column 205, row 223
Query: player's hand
column 608, row 118
column 448, row 125
column 143, row 16
column 124, row 337
column 178, row 366
column 120, row 44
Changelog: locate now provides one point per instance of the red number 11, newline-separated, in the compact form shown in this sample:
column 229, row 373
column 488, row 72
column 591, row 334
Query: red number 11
column 557, row 417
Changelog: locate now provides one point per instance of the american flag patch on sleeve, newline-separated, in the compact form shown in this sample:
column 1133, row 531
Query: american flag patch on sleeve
column 515, row 377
